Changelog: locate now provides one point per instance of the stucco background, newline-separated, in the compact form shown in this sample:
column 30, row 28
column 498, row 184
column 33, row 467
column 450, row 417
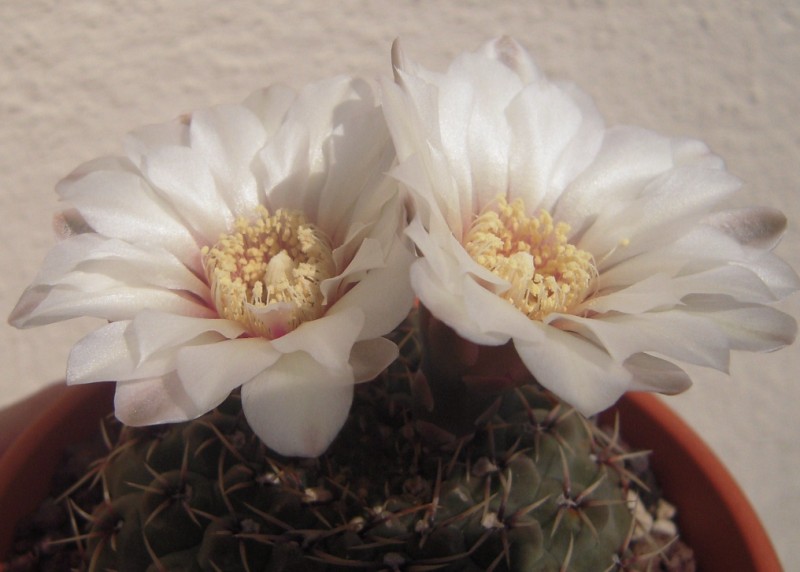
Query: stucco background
column 76, row 75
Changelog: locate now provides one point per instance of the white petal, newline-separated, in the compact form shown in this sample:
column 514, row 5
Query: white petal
column 69, row 254
column 546, row 123
column 666, row 209
column 270, row 105
column 357, row 162
column 144, row 141
column 323, row 108
column 423, row 166
column 582, row 148
column 456, row 115
column 328, row 339
column 297, row 161
column 775, row 274
column 448, row 305
column 687, row 151
column 740, row 282
column 476, row 146
column 748, row 326
column 576, row 370
column 682, row 257
column 406, row 134
column 370, row 357
column 511, row 54
column 493, row 316
column 654, row 292
column 756, row 227
column 674, row 334
column 152, row 331
column 433, row 247
column 276, row 318
column 723, row 247
column 384, row 295
column 296, row 407
column 91, row 263
column 136, row 265
column 227, row 138
column 417, row 95
column 111, row 354
column 121, row 204
column 101, row 356
column 284, row 170
column 655, row 374
column 378, row 213
column 41, row 305
column 107, row 163
column 448, row 258
column 153, row 401
column 628, row 158
column 368, row 256
column 210, row 372
column 183, row 178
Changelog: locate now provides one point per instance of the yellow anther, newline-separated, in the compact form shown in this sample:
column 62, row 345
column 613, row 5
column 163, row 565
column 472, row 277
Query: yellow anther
column 547, row 273
column 272, row 258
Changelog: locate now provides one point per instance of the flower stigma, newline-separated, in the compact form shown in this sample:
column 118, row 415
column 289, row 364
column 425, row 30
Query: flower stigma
column 547, row 273
column 266, row 273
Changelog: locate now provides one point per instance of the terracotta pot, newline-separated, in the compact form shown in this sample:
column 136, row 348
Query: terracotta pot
column 27, row 466
column 715, row 517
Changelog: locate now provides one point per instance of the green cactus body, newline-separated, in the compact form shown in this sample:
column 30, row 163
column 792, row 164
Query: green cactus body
column 531, row 487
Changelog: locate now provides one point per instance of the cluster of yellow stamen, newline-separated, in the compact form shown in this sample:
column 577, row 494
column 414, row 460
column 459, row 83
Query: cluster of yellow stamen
column 272, row 258
column 547, row 273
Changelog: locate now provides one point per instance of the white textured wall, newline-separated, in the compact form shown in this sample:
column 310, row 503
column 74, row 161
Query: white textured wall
column 76, row 75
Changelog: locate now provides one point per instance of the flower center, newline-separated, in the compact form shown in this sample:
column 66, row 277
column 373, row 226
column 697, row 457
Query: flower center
column 547, row 273
column 266, row 273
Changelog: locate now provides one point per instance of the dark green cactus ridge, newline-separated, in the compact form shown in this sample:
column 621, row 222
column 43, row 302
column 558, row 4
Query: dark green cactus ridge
column 534, row 486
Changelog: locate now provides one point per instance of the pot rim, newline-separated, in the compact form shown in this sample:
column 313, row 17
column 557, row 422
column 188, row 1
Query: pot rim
column 690, row 473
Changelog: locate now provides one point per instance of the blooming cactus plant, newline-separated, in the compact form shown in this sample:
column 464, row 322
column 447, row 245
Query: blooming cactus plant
column 276, row 246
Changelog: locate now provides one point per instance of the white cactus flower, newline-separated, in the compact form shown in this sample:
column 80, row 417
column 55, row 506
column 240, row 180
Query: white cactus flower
column 600, row 253
column 257, row 245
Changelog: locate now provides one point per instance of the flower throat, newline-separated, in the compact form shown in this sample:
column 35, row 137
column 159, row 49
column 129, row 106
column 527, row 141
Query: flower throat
column 547, row 273
column 266, row 273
